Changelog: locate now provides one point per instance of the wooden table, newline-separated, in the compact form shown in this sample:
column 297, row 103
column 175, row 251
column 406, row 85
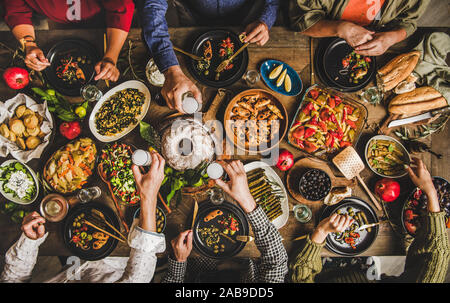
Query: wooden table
column 284, row 45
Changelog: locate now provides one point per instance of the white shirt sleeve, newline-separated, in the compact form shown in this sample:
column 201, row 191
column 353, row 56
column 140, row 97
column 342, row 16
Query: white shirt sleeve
column 20, row 260
column 142, row 262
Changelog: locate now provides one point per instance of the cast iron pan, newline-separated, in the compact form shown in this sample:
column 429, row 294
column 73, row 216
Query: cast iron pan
column 231, row 249
column 328, row 63
column 227, row 77
column 421, row 208
column 366, row 239
column 75, row 48
column 91, row 254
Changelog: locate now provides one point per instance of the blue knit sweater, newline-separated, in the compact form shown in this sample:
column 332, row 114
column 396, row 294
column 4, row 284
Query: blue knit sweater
column 156, row 31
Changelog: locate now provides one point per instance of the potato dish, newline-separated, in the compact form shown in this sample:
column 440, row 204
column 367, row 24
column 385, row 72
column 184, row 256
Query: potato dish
column 69, row 167
column 24, row 128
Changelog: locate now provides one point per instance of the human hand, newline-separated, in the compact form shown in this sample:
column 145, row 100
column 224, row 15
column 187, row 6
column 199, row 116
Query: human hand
column 34, row 58
column 33, row 226
column 333, row 224
column 106, row 70
column 355, row 35
column 237, row 187
column 420, row 176
column 182, row 246
column 378, row 45
column 148, row 184
column 257, row 32
column 175, row 86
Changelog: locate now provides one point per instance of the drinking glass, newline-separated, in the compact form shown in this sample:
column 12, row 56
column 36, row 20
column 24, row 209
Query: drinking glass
column 251, row 77
column 91, row 93
column 302, row 213
column 216, row 195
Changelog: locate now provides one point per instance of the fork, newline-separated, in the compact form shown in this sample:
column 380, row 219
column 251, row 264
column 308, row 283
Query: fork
column 225, row 63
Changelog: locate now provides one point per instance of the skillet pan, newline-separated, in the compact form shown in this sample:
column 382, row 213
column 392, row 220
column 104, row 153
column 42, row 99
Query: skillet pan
column 367, row 238
column 227, row 77
column 231, row 249
column 328, row 64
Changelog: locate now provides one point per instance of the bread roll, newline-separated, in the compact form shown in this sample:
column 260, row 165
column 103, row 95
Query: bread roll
column 4, row 130
column 17, row 127
column 398, row 69
column 421, row 99
column 21, row 143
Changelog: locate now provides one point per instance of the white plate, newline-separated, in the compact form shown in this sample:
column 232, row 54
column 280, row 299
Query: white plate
column 11, row 197
column 273, row 176
column 129, row 84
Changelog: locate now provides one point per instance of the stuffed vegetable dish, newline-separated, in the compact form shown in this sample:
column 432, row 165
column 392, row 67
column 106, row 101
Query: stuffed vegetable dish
column 69, row 168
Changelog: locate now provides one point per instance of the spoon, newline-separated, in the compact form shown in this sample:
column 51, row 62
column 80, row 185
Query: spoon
column 192, row 56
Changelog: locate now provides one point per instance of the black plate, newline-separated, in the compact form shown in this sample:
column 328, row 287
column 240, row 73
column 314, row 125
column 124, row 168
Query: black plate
column 328, row 63
column 366, row 239
column 444, row 204
column 91, row 255
column 76, row 47
column 227, row 78
column 231, row 249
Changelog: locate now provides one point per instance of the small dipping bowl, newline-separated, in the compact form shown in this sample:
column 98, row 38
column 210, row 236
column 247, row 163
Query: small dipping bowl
column 317, row 191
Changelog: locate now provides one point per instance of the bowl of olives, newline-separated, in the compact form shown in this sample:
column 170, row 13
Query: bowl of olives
column 315, row 184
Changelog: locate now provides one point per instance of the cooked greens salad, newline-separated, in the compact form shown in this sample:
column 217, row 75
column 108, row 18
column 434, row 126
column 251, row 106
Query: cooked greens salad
column 17, row 181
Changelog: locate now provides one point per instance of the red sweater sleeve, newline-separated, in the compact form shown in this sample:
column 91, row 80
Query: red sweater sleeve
column 17, row 12
column 119, row 13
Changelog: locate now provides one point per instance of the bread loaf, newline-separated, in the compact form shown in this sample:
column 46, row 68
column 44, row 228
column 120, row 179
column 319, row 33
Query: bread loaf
column 421, row 99
column 398, row 69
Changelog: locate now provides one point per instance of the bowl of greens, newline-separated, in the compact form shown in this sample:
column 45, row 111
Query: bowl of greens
column 18, row 182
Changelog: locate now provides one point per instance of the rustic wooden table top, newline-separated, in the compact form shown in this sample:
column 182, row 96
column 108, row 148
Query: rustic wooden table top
column 284, row 45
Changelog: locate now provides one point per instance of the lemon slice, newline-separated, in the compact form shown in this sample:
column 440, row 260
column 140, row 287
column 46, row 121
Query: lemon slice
column 276, row 71
column 281, row 78
column 287, row 83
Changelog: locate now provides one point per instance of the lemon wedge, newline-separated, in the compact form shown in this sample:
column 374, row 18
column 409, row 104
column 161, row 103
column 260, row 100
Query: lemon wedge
column 281, row 78
column 287, row 83
column 276, row 71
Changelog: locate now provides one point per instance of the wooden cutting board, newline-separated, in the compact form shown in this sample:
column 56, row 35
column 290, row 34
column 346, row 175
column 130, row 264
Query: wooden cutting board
column 301, row 166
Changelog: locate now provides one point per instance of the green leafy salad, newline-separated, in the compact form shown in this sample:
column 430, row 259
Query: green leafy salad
column 17, row 181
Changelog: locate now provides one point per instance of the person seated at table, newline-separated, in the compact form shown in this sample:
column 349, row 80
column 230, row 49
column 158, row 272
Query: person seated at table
column 258, row 16
column 427, row 258
column 143, row 240
column 371, row 27
column 272, row 266
column 118, row 14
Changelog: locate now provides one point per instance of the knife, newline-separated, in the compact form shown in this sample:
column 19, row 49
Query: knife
column 194, row 215
column 244, row 238
column 421, row 117
column 365, row 226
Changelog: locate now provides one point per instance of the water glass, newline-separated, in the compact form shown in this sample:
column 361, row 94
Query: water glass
column 91, row 93
column 251, row 77
column 302, row 213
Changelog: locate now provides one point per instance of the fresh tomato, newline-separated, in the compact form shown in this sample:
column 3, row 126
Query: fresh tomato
column 314, row 94
column 410, row 215
column 300, row 143
column 329, row 140
column 299, row 132
column 410, row 227
column 331, row 102
column 351, row 123
column 309, row 132
column 338, row 100
column 323, row 126
column 344, row 144
column 310, row 147
column 324, row 114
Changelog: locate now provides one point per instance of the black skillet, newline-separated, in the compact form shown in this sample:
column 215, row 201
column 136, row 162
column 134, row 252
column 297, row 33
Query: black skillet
column 75, row 48
column 231, row 249
column 91, row 254
column 228, row 77
column 328, row 65
column 366, row 239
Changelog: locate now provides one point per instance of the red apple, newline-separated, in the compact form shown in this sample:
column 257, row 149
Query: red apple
column 16, row 77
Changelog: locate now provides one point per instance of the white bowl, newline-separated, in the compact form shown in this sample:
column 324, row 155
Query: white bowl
column 273, row 176
column 387, row 138
column 11, row 197
column 129, row 84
